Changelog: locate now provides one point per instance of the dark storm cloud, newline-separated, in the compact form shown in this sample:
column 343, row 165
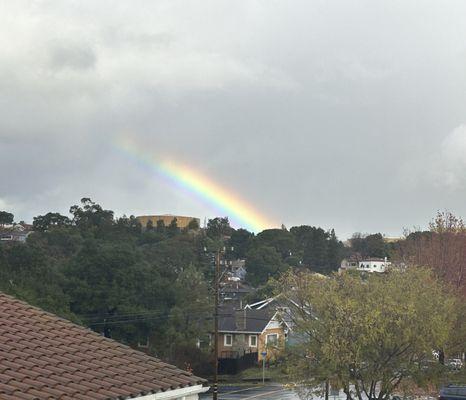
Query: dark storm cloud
column 341, row 114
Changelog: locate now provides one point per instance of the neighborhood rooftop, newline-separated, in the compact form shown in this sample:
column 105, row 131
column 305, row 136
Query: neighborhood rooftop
column 245, row 320
column 43, row 356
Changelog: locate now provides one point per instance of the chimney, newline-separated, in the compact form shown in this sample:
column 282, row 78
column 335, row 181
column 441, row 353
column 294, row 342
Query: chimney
column 240, row 319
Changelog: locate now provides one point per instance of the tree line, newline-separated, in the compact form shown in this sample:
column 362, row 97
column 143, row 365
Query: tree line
column 147, row 286
column 150, row 286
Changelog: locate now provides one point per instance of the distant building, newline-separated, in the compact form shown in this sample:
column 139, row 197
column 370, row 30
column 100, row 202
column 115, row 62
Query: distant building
column 374, row 265
column 370, row 264
column 392, row 239
column 245, row 331
column 234, row 292
column 181, row 221
column 15, row 233
column 235, row 269
column 349, row 263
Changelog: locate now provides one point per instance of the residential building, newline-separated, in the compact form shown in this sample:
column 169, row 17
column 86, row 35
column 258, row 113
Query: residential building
column 44, row 357
column 369, row 264
column 243, row 331
column 15, row 233
column 181, row 221
column 234, row 292
column 349, row 263
column 373, row 265
column 235, row 268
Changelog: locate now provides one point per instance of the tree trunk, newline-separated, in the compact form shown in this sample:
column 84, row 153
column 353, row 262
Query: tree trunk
column 441, row 357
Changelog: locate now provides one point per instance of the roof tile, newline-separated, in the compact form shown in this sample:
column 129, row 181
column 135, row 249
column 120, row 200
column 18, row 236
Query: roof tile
column 45, row 357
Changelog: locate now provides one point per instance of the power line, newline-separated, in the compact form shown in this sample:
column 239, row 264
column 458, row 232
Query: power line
column 155, row 318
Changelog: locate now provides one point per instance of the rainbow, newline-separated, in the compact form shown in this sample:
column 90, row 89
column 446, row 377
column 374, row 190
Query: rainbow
column 186, row 178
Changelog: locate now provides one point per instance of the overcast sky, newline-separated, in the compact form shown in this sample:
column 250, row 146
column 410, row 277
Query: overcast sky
column 344, row 114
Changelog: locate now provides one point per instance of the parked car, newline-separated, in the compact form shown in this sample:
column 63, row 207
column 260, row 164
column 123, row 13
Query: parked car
column 454, row 364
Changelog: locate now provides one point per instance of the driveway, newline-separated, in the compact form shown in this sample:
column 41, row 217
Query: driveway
column 259, row 392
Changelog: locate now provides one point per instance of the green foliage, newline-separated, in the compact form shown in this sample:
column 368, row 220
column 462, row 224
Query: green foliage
column 274, row 250
column 6, row 218
column 28, row 273
column 45, row 222
column 368, row 335
column 280, row 239
column 262, row 263
column 369, row 245
column 321, row 250
column 218, row 228
column 91, row 215
column 133, row 285
column 172, row 228
column 193, row 225
column 240, row 240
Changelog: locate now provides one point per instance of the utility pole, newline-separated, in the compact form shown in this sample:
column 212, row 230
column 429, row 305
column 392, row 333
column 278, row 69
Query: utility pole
column 216, row 290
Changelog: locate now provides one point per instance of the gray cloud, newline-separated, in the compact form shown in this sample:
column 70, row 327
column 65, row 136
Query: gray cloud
column 73, row 57
column 340, row 114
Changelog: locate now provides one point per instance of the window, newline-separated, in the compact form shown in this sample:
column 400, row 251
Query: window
column 253, row 341
column 272, row 339
column 144, row 344
column 228, row 340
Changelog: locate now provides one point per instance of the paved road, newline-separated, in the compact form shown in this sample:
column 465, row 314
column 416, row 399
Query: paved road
column 268, row 392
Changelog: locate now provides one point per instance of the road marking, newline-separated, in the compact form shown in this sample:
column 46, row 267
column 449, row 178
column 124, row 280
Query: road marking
column 241, row 390
column 255, row 396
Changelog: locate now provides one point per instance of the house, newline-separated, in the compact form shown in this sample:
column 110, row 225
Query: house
column 349, row 263
column 236, row 268
column 234, row 292
column 369, row 264
column 43, row 357
column 15, row 233
column 244, row 331
column 373, row 264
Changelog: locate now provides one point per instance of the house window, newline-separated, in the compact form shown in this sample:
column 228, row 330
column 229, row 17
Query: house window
column 272, row 339
column 144, row 344
column 228, row 340
column 253, row 341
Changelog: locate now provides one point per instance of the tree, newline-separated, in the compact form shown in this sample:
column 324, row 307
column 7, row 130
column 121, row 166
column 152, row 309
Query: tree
column 334, row 252
column 43, row 223
column 160, row 226
column 188, row 319
column 262, row 263
column 149, row 225
column 369, row 245
column 218, row 227
column 240, row 240
column 443, row 248
column 280, row 239
column 369, row 335
column 91, row 214
column 193, row 225
column 320, row 250
column 6, row 218
column 173, row 229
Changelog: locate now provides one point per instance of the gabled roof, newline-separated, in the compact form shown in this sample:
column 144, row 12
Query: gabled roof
column 246, row 320
column 43, row 356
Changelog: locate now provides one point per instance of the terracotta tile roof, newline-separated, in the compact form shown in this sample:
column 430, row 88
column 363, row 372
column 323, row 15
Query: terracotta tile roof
column 45, row 357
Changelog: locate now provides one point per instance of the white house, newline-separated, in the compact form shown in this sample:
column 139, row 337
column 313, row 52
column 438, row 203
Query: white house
column 374, row 265
column 370, row 264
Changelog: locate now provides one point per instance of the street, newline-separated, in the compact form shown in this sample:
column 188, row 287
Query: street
column 269, row 392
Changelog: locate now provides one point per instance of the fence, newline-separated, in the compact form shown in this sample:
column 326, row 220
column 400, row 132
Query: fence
column 234, row 365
